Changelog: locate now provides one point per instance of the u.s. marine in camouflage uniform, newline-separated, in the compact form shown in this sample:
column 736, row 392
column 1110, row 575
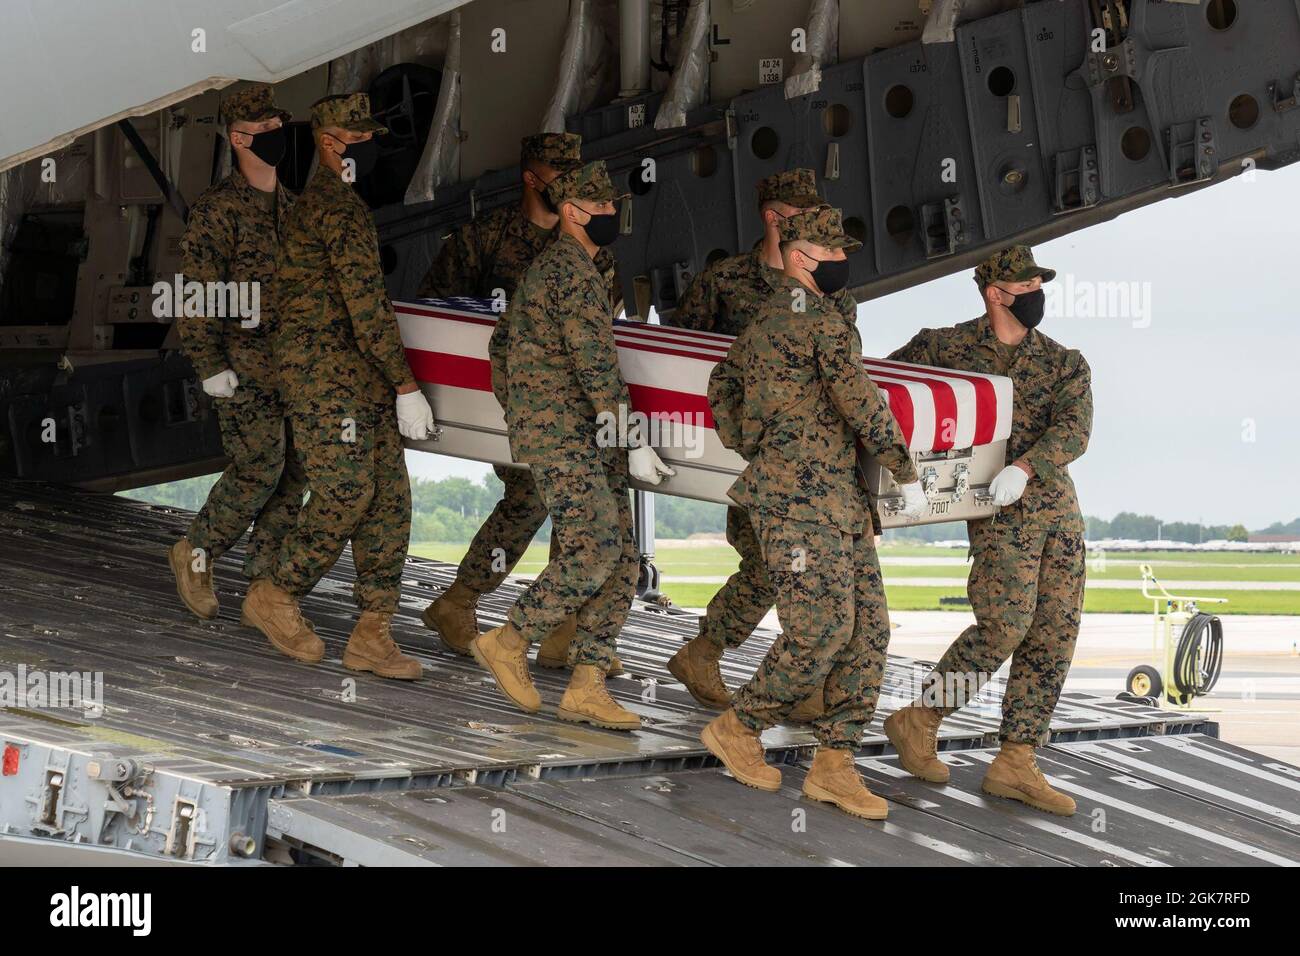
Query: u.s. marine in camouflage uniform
column 486, row 259
column 231, row 237
column 1026, row 583
column 727, row 294
column 793, row 398
column 725, row 298
column 559, row 378
column 351, row 397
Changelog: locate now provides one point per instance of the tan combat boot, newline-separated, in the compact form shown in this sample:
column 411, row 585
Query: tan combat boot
column 554, row 651
column 740, row 751
column 452, row 616
column 835, row 779
column 371, row 648
column 586, row 700
column 810, row 708
column 504, row 653
column 275, row 612
column 696, row 666
column 194, row 587
column 914, row 732
column 1014, row 774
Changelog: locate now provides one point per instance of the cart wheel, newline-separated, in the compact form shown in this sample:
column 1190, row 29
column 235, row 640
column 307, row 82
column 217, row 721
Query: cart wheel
column 1144, row 681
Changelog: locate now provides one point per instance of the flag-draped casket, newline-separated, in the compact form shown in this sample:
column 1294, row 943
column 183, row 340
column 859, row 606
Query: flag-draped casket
column 956, row 423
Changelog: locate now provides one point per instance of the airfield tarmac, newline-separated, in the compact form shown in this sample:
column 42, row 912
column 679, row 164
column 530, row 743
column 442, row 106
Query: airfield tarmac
column 1256, row 701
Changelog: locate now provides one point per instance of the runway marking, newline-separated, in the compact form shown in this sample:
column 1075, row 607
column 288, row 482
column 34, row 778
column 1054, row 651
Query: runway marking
column 1030, row 817
column 1206, row 753
column 1108, row 753
column 1182, row 826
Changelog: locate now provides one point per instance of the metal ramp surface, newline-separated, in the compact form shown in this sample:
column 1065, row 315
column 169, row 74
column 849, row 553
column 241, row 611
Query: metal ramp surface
column 223, row 723
column 1139, row 805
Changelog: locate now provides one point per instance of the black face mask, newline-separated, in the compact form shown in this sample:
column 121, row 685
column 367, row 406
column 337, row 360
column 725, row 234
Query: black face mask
column 602, row 229
column 364, row 154
column 1029, row 308
column 831, row 275
column 270, row 146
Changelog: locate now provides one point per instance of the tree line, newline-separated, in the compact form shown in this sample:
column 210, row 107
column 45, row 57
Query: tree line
column 450, row 510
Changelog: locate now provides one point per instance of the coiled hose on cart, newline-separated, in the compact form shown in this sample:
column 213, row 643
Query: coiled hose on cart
column 1198, row 658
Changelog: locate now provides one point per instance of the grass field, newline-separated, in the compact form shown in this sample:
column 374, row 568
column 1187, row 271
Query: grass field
column 1113, row 570
column 718, row 562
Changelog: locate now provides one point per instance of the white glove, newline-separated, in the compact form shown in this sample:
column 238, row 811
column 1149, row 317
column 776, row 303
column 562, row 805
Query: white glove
column 645, row 466
column 1008, row 486
column 221, row 385
column 915, row 503
column 414, row 416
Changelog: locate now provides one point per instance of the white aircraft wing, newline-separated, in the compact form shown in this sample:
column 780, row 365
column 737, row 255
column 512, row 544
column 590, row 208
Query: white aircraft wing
column 68, row 67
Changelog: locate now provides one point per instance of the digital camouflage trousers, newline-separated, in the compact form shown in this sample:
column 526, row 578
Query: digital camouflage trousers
column 834, row 629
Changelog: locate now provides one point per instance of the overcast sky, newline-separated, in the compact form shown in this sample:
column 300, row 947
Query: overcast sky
column 1194, row 384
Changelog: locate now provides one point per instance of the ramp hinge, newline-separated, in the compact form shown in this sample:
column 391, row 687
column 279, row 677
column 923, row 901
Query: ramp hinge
column 182, row 400
column 1284, row 105
column 1076, row 178
column 71, row 438
column 1192, row 151
column 943, row 227
column 667, row 283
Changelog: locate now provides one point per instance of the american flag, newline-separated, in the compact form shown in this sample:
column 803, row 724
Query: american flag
column 667, row 373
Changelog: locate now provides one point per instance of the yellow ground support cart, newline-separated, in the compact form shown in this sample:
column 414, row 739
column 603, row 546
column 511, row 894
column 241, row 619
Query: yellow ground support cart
column 1188, row 667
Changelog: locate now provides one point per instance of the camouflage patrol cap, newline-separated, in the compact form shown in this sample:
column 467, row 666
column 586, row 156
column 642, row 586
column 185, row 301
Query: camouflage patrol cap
column 560, row 151
column 589, row 183
column 794, row 187
column 822, row 226
column 1015, row 264
column 252, row 104
column 350, row 111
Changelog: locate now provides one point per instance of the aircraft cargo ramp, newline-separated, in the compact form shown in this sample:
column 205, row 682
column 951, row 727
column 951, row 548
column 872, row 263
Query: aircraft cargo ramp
column 212, row 747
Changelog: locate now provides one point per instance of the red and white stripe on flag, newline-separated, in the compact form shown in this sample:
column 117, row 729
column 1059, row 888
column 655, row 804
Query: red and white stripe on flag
column 667, row 374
